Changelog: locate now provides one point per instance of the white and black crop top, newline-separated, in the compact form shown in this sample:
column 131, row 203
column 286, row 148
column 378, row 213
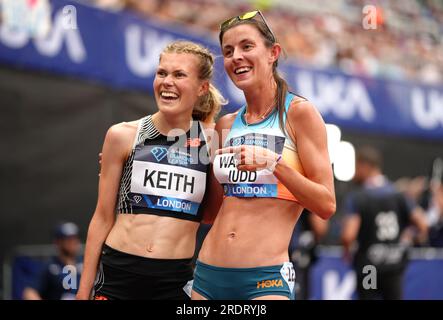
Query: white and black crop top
column 163, row 175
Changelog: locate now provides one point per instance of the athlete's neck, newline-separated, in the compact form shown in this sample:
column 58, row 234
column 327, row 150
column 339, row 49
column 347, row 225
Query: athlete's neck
column 165, row 124
column 260, row 99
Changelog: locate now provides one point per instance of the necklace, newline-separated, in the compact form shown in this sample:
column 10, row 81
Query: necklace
column 261, row 117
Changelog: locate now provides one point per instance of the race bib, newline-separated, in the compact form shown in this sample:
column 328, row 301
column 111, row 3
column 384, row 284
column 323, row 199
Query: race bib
column 288, row 273
column 166, row 179
column 261, row 183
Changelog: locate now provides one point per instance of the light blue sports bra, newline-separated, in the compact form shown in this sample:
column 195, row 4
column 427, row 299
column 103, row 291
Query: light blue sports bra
column 266, row 134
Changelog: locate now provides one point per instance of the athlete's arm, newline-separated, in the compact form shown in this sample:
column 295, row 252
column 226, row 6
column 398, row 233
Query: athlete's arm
column 314, row 192
column 212, row 200
column 115, row 151
column 214, row 191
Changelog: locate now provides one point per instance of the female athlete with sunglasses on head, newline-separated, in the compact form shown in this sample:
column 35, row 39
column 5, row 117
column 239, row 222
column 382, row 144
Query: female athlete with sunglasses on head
column 274, row 162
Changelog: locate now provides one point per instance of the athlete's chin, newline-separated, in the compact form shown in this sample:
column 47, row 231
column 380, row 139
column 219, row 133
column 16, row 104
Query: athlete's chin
column 169, row 107
column 243, row 84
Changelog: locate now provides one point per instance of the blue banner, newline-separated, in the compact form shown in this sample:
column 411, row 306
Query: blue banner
column 122, row 50
column 333, row 279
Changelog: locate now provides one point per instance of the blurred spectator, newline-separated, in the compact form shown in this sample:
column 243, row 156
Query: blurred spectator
column 432, row 202
column 112, row 5
column 147, row 8
column 377, row 215
column 303, row 250
column 61, row 276
column 407, row 43
column 436, row 212
column 412, row 188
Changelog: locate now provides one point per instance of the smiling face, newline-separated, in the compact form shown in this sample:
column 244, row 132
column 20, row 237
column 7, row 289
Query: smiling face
column 247, row 60
column 177, row 86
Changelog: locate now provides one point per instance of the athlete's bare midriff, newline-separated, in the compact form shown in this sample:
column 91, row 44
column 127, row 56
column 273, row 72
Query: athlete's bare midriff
column 250, row 233
column 153, row 236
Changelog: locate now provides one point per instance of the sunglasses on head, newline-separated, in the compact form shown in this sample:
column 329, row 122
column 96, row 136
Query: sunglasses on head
column 247, row 16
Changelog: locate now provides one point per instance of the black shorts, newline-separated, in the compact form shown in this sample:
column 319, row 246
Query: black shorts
column 124, row 276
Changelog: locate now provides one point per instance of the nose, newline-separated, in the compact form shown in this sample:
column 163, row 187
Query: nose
column 237, row 55
column 168, row 81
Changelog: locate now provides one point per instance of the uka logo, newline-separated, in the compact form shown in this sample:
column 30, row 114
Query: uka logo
column 64, row 30
column 143, row 49
column 427, row 108
column 345, row 98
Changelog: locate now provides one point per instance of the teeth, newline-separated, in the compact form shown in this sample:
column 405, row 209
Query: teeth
column 242, row 69
column 168, row 94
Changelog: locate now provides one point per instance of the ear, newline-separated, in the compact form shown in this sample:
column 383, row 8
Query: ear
column 204, row 88
column 275, row 52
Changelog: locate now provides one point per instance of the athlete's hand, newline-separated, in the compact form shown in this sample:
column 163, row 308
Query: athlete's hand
column 252, row 158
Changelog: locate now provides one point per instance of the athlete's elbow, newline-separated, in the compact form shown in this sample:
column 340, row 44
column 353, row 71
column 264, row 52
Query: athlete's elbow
column 102, row 220
column 327, row 210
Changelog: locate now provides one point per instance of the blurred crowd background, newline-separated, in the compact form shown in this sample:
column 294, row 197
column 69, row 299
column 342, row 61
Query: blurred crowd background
column 53, row 119
column 326, row 33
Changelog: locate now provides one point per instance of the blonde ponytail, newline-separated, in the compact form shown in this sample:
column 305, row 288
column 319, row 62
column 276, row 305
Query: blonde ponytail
column 209, row 106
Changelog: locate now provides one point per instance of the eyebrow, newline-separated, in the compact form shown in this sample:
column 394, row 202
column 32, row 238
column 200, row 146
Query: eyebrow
column 175, row 71
column 241, row 42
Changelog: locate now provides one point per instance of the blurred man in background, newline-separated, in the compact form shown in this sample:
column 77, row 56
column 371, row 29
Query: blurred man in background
column 434, row 210
column 377, row 215
column 308, row 233
column 431, row 200
column 436, row 227
column 60, row 278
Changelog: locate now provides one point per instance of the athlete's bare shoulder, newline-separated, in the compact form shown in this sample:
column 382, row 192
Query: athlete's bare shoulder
column 121, row 136
column 226, row 121
column 123, row 130
column 301, row 109
column 132, row 124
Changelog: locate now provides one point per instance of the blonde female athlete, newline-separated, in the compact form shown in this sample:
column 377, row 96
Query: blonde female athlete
column 153, row 173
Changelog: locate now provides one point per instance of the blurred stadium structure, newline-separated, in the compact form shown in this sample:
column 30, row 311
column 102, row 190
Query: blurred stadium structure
column 66, row 78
